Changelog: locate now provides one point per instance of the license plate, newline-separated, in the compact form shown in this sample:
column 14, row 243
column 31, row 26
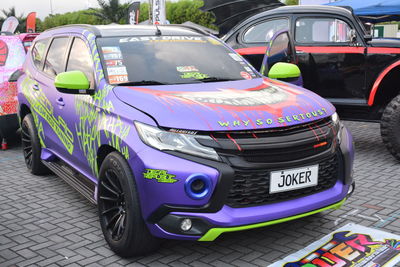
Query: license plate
column 287, row 180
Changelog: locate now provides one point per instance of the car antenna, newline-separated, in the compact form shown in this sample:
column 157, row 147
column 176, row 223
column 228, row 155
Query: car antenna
column 158, row 32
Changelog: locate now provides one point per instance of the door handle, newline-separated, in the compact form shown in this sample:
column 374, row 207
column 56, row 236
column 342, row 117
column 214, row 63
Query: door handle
column 60, row 102
column 35, row 87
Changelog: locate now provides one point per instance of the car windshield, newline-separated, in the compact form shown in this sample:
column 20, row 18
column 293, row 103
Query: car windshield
column 159, row 60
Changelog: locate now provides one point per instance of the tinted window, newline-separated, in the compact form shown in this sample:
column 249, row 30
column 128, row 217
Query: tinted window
column 171, row 60
column 322, row 30
column 263, row 32
column 279, row 51
column 80, row 59
column 54, row 60
column 38, row 52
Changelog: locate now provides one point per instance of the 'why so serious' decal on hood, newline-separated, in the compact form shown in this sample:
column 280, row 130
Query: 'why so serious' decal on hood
column 266, row 103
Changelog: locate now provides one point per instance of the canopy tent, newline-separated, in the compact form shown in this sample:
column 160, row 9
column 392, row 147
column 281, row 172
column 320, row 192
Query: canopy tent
column 373, row 10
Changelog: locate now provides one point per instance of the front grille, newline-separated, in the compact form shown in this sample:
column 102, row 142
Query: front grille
column 251, row 187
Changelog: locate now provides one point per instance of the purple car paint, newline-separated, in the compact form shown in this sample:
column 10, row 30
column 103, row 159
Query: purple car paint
column 177, row 117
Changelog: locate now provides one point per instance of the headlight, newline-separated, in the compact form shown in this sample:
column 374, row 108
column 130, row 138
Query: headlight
column 337, row 125
column 185, row 143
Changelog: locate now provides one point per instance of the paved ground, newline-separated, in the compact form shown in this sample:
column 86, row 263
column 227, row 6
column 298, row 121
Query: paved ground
column 43, row 221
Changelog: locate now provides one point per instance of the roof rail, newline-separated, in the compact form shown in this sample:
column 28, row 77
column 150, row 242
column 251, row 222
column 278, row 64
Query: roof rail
column 87, row 26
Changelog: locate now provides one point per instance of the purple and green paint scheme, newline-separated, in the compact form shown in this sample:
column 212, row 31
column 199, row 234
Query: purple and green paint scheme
column 76, row 133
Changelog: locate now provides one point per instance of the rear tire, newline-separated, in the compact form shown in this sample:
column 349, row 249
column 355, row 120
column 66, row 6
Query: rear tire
column 31, row 147
column 119, row 209
column 390, row 127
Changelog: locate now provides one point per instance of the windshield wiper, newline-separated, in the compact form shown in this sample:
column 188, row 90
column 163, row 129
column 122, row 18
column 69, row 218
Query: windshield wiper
column 144, row 82
column 215, row 79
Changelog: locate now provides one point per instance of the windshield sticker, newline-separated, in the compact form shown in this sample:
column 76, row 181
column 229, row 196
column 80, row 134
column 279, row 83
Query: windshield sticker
column 118, row 79
column 114, row 62
column 113, row 56
column 163, row 39
column 111, row 49
column 236, row 57
column 246, row 75
column 187, row 69
column 194, row 75
column 121, row 70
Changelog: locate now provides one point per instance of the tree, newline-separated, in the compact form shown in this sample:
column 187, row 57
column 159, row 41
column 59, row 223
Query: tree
column 291, row 2
column 110, row 12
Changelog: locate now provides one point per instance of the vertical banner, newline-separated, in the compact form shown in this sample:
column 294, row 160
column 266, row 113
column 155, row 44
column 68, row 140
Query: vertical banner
column 159, row 12
column 31, row 22
column 133, row 13
column 10, row 25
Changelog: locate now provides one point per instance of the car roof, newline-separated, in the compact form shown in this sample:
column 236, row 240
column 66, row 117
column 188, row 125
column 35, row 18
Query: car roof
column 128, row 30
column 295, row 9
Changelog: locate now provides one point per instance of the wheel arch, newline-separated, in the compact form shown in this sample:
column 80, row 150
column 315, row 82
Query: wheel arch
column 102, row 153
column 23, row 111
column 382, row 91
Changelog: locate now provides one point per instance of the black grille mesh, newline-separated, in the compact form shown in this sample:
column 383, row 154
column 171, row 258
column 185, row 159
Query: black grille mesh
column 251, row 187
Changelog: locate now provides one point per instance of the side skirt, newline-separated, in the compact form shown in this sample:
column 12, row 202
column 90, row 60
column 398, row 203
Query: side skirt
column 79, row 182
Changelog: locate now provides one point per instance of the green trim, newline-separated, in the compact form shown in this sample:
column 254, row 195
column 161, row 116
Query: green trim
column 213, row 233
column 282, row 70
column 74, row 80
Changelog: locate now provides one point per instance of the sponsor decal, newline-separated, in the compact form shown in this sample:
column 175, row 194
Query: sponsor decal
column 113, row 63
column 187, row 69
column 112, row 56
column 246, row 75
column 111, row 49
column 163, row 39
column 281, row 120
column 214, row 41
column 194, row 75
column 351, row 245
column 113, row 79
column 117, row 71
column 161, row 176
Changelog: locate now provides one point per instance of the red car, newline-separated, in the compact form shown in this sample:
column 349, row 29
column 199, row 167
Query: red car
column 13, row 49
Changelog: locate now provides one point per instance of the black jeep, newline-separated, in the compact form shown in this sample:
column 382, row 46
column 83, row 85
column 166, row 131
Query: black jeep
column 338, row 59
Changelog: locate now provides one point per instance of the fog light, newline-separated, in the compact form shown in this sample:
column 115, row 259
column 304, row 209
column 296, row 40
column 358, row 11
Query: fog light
column 198, row 186
column 186, row 224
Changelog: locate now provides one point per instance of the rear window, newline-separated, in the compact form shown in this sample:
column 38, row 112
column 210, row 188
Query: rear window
column 170, row 60
column 38, row 52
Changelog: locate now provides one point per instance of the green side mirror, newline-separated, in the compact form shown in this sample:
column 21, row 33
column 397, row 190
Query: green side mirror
column 72, row 82
column 283, row 70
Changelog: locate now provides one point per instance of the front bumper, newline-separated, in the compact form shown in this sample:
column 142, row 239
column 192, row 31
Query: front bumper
column 211, row 216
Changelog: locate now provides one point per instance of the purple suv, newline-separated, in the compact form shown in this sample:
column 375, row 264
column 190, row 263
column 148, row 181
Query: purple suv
column 174, row 135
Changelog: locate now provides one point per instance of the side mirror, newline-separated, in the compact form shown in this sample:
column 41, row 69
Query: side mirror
column 368, row 38
column 72, row 82
column 282, row 70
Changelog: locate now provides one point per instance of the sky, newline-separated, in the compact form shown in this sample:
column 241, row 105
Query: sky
column 43, row 7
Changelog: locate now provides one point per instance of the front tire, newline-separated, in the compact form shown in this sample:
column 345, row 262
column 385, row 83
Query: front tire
column 31, row 146
column 119, row 209
column 390, row 127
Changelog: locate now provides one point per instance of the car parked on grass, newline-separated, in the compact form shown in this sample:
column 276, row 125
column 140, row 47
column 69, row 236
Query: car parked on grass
column 338, row 60
column 174, row 135
column 13, row 49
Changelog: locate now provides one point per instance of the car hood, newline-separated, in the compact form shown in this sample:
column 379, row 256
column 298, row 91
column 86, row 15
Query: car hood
column 220, row 106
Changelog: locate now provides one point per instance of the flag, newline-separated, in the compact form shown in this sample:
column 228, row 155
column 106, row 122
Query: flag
column 133, row 13
column 10, row 24
column 159, row 13
column 31, row 22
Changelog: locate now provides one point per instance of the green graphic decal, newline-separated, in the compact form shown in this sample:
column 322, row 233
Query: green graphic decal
column 194, row 75
column 161, row 176
column 42, row 107
column 96, row 117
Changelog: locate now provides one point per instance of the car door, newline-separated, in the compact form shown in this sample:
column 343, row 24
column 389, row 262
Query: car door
column 78, row 58
column 57, row 137
column 255, row 36
column 331, row 57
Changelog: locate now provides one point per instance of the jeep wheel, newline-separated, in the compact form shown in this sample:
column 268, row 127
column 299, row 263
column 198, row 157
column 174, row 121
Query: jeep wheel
column 390, row 127
column 119, row 210
column 31, row 146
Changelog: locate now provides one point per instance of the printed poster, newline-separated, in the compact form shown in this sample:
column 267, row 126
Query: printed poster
column 351, row 245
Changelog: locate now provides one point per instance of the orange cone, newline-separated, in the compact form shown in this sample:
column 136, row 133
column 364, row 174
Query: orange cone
column 4, row 145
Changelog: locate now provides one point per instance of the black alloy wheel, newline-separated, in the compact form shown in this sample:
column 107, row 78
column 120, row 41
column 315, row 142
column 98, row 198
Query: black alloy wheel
column 114, row 207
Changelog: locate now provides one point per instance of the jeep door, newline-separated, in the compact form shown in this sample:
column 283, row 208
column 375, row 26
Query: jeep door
column 253, row 38
column 331, row 57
